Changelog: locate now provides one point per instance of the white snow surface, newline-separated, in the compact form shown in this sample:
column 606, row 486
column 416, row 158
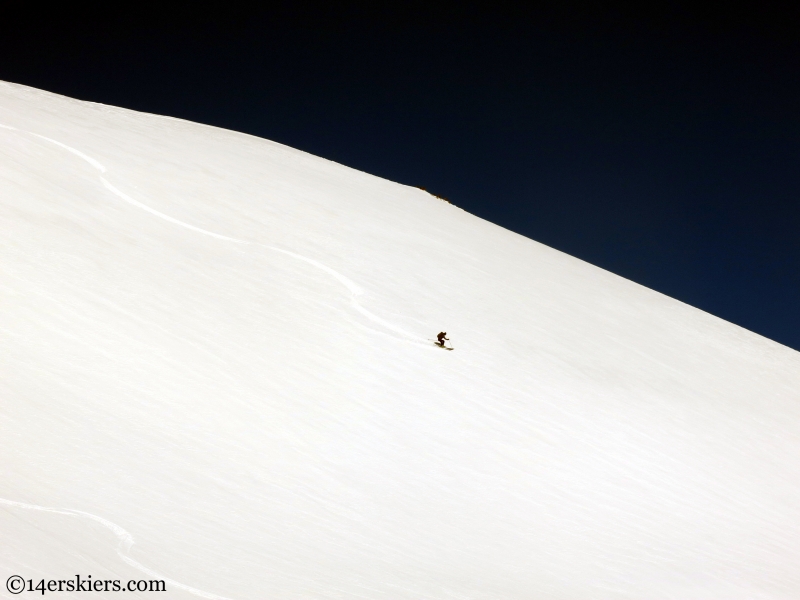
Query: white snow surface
column 217, row 368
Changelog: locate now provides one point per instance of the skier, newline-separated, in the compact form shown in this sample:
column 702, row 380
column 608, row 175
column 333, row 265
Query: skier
column 442, row 337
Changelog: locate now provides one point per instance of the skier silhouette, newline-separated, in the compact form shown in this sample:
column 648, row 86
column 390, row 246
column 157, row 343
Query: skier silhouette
column 442, row 337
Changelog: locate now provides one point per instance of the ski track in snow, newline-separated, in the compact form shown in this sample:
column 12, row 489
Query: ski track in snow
column 88, row 159
column 352, row 287
column 161, row 215
column 126, row 539
column 123, row 547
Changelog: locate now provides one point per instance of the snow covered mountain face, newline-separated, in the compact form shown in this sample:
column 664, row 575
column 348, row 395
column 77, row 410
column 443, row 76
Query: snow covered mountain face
column 217, row 369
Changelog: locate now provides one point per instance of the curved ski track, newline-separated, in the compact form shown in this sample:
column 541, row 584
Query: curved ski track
column 126, row 539
column 123, row 546
column 352, row 287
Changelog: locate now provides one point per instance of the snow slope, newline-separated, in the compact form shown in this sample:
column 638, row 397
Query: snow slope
column 216, row 368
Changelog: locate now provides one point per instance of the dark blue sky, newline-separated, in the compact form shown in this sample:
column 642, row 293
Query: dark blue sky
column 662, row 146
